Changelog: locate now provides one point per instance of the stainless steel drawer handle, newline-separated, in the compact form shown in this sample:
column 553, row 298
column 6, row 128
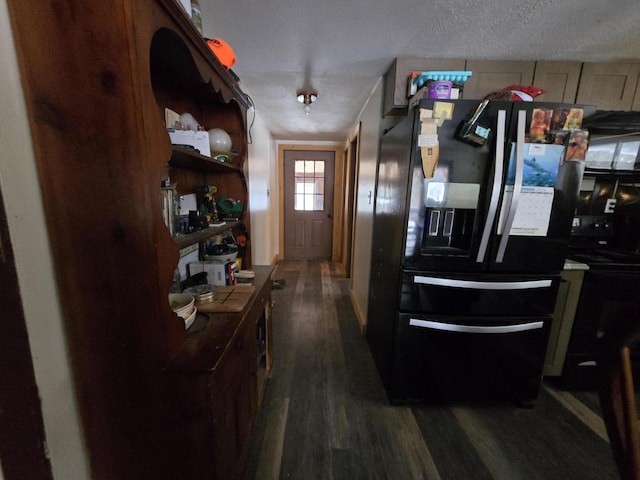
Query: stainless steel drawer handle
column 455, row 327
column 476, row 285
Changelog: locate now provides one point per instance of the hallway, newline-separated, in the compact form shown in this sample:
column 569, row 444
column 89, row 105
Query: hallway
column 325, row 415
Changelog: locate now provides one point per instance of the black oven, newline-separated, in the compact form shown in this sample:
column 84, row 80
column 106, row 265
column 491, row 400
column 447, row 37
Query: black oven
column 610, row 286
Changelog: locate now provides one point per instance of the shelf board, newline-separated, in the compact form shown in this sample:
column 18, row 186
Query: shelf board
column 184, row 240
column 186, row 158
column 199, row 46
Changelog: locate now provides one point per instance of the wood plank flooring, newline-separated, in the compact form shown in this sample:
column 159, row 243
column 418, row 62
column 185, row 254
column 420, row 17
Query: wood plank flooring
column 325, row 414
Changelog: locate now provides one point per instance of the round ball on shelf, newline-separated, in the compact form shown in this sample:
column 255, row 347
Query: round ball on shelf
column 219, row 140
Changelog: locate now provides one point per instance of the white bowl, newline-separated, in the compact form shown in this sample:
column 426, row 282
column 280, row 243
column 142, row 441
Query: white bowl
column 190, row 319
column 220, row 253
column 182, row 304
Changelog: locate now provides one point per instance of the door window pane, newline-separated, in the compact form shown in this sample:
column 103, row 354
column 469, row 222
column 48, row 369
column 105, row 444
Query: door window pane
column 309, row 185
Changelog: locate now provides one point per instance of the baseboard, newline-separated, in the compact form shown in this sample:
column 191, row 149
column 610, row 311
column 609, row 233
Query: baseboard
column 361, row 320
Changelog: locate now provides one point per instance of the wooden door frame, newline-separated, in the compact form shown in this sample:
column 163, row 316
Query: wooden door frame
column 338, row 195
column 349, row 189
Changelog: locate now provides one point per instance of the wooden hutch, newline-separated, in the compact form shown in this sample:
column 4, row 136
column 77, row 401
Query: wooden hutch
column 157, row 401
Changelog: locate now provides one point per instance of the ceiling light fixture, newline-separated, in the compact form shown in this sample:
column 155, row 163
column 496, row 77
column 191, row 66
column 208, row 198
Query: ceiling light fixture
column 307, row 97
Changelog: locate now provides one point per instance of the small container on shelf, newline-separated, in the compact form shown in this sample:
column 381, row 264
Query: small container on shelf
column 170, row 206
column 196, row 15
column 439, row 89
column 202, row 293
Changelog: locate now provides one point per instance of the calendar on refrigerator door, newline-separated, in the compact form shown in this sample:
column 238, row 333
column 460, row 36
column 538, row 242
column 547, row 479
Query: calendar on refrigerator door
column 540, row 174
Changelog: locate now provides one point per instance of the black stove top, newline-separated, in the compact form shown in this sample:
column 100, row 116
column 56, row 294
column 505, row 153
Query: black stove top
column 606, row 258
column 590, row 243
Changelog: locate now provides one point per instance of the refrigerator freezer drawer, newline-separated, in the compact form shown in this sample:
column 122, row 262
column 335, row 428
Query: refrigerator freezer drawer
column 468, row 358
column 455, row 294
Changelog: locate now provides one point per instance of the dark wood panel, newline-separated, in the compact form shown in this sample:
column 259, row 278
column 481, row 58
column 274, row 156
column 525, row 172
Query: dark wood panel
column 101, row 151
column 100, row 206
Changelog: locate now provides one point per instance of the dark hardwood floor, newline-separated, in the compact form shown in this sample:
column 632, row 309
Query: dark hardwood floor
column 325, row 414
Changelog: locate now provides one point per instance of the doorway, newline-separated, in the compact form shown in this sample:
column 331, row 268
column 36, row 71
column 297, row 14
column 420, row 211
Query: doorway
column 308, row 203
column 349, row 177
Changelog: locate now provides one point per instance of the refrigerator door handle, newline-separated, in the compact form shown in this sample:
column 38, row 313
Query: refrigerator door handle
column 522, row 120
column 478, row 285
column 495, row 189
column 456, row 327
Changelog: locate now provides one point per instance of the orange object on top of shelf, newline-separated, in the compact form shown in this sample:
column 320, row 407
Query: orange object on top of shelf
column 222, row 51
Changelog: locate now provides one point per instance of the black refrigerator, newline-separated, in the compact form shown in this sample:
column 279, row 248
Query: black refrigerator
column 473, row 210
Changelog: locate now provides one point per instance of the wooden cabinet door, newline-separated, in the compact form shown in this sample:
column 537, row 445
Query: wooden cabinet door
column 234, row 403
column 489, row 76
column 227, row 434
column 609, row 86
column 562, row 324
column 559, row 79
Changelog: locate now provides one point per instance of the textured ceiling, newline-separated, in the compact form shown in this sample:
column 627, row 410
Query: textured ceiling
column 341, row 48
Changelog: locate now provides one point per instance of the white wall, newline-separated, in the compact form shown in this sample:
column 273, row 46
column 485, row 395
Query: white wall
column 21, row 195
column 263, row 193
column 371, row 127
column 363, row 217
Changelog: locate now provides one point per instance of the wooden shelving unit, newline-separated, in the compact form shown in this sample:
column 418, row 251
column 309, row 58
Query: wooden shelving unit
column 156, row 401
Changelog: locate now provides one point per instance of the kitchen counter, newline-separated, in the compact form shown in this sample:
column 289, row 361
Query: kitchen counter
column 212, row 333
column 573, row 265
column 215, row 382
